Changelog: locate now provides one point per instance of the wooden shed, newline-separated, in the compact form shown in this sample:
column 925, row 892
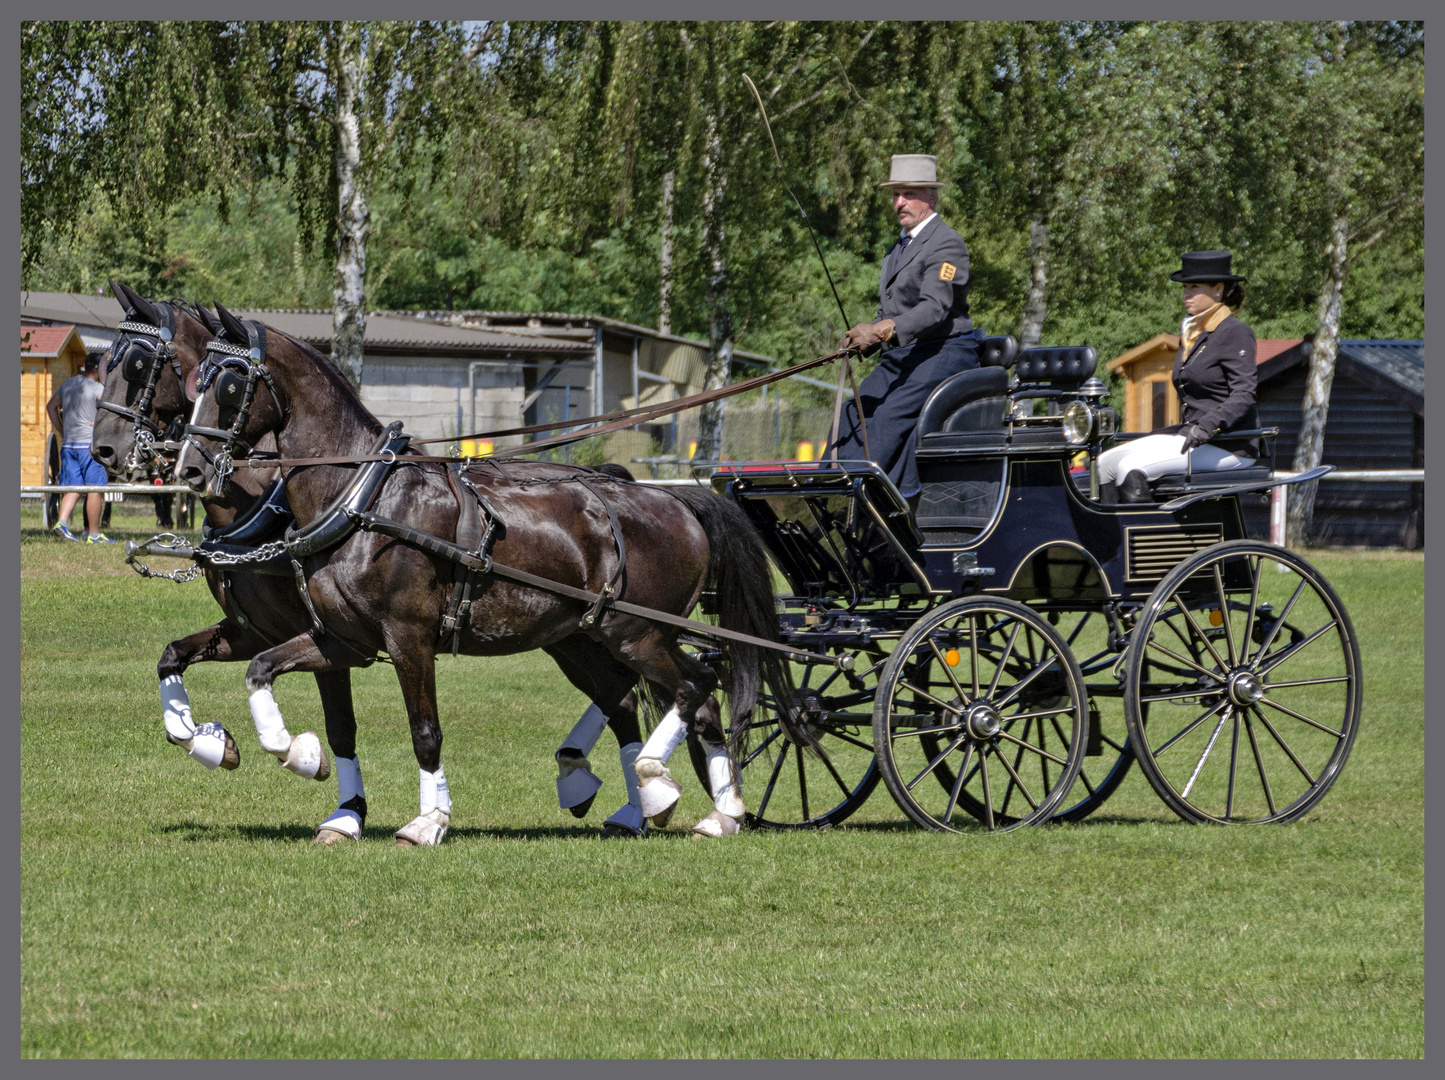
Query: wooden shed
column 48, row 356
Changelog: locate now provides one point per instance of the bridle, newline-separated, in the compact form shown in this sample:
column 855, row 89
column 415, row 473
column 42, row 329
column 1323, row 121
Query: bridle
column 235, row 371
column 142, row 350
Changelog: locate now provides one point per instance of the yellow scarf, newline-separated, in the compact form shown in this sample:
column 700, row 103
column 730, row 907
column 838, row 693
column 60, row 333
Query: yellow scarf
column 1210, row 320
column 1191, row 328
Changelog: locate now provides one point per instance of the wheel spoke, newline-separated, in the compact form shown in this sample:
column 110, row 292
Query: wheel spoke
column 1249, row 616
column 1018, row 686
column 927, row 696
column 845, row 737
column 1029, row 746
column 1278, row 622
column 940, row 730
column 802, row 784
column 1185, row 661
column 1233, row 763
column 1300, row 716
column 947, row 670
column 773, row 780
column 1060, row 733
column 1224, row 616
column 1276, row 659
column 1117, row 746
column 1069, row 641
column 950, row 748
column 1306, row 682
column 1283, row 745
column 973, row 651
column 1194, row 724
column 1014, row 778
column 1259, row 764
column 1039, row 714
column 1205, row 756
column 987, row 798
column 1181, row 695
column 777, row 731
column 1003, row 660
column 1189, row 618
column 957, row 784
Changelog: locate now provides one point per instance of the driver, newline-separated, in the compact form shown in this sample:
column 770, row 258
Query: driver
column 922, row 322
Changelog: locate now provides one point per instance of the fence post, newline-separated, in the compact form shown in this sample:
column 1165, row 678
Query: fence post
column 1278, row 504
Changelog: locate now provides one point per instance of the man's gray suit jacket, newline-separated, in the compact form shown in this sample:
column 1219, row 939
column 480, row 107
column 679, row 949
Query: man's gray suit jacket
column 924, row 287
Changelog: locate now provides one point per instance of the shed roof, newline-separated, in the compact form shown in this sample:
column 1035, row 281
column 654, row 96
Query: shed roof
column 1264, row 349
column 72, row 308
column 391, row 330
column 1395, row 369
column 46, row 340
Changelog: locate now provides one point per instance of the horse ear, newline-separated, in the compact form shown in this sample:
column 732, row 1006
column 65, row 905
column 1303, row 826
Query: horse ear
column 232, row 325
column 144, row 308
column 208, row 319
column 126, row 297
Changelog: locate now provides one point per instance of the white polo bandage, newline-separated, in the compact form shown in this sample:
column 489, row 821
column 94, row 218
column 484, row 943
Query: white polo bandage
column 434, row 794
column 208, row 746
column 627, row 755
column 726, row 796
column 176, row 708
column 348, row 780
column 586, row 731
column 270, row 728
column 665, row 738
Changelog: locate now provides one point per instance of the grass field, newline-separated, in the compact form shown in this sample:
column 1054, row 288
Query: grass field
column 167, row 911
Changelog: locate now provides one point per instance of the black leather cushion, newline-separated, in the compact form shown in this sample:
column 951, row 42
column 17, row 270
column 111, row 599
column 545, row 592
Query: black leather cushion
column 998, row 351
column 972, row 400
column 1065, row 364
column 1254, row 474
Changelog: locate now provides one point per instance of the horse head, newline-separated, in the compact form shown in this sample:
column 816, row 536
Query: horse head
column 160, row 346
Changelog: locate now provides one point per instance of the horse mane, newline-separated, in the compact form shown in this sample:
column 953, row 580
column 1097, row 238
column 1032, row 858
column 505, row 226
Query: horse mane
column 333, row 375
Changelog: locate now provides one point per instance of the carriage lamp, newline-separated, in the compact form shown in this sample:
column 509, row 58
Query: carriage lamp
column 1078, row 423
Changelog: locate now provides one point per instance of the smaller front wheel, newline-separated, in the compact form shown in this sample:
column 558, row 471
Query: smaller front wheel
column 981, row 715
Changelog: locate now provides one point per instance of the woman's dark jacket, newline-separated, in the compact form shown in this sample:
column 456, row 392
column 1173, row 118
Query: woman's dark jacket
column 1216, row 382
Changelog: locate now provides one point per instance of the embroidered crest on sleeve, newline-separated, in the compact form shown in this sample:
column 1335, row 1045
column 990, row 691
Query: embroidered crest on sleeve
column 947, row 271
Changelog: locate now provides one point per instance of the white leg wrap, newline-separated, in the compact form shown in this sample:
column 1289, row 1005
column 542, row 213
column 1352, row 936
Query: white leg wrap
column 726, row 796
column 345, row 822
column 665, row 738
column 348, row 780
column 176, row 709
column 208, row 746
column 434, row 794
column 586, row 731
column 271, row 729
column 628, row 756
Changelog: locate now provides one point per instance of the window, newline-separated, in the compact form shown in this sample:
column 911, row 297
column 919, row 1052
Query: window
column 1158, row 404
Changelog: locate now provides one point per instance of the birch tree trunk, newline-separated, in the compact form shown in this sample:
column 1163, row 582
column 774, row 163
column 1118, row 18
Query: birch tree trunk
column 664, row 307
column 1032, row 327
column 719, row 318
column 1309, row 450
column 353, row 221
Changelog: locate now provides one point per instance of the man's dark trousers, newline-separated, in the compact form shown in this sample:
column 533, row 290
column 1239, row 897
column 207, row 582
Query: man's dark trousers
column 893, row 396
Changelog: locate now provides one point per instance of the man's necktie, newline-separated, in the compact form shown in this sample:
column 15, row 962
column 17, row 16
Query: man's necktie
column 903, row 243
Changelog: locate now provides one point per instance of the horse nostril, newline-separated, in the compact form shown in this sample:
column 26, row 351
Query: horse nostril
column 193, row 475
column 103, row 454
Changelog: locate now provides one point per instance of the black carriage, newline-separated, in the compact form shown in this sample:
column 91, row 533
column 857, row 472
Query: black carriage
column 1017, row 644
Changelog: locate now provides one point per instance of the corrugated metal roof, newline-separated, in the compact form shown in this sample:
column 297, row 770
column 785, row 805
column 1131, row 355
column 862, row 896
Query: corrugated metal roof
column 71, row 307
column 1402, row 362
column 389, row 330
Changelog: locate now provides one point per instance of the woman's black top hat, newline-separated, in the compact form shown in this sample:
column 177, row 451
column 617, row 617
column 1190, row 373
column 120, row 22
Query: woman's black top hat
column 1202, row 266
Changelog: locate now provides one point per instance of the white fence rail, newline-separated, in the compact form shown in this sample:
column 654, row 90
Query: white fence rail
column 1279, row 497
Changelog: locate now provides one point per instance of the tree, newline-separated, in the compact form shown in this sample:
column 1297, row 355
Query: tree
column 1363, row 133
column 155, row 112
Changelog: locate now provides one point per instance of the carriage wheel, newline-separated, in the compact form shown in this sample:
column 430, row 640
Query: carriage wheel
column 1250, row 664
column 787, row 790
column 985, row 693
column 50, row 504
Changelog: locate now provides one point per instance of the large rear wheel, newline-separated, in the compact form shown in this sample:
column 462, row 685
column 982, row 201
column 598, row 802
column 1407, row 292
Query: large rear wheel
column 1248, row 665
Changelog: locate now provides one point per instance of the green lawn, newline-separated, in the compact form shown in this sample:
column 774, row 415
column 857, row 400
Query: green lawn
column 168, row 911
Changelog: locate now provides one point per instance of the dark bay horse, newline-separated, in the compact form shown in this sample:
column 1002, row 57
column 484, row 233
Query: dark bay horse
column 372, row 593
column 263, row 610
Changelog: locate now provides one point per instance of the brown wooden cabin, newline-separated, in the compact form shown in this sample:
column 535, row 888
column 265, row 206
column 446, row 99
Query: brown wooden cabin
column 48, row 356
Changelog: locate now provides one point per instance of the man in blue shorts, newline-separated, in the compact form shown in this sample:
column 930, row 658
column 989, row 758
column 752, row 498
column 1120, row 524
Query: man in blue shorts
column 72, row 410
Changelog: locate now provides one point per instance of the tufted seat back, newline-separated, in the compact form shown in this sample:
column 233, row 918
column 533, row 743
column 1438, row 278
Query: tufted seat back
column 1067, row 365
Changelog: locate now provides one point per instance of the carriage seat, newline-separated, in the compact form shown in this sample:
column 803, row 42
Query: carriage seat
column 1167, row 487
column 1065, row 367
column 972, row 400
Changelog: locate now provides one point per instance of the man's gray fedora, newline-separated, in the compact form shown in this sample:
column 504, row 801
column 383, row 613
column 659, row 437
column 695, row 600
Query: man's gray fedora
column 913, row 170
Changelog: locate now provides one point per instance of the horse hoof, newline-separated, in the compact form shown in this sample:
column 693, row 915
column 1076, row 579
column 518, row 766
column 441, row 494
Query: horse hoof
column 331, row 836
column 342, row 825
column 231, row 759
column 717, row 824
column 424, row 830
column 307, row 757
column 657, row 791
column 580, row 810
column 212, row 745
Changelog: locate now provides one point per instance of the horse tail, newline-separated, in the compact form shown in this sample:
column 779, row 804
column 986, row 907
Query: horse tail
column 739, row 575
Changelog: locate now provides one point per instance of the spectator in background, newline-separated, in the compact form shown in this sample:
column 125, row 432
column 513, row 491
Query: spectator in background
column 72, row 411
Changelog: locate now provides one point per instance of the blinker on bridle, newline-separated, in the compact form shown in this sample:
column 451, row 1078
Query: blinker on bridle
column 141, row 358
column 235, row 371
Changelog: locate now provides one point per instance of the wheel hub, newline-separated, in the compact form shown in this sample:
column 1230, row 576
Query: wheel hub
column 982, row 721
column 1245, row 688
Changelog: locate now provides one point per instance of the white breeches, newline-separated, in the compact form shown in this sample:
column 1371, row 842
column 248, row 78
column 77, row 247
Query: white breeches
column 1159, row 455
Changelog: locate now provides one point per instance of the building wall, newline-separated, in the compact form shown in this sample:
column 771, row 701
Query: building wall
column 429, row 395
column 1363, row 430
column 39, row 378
